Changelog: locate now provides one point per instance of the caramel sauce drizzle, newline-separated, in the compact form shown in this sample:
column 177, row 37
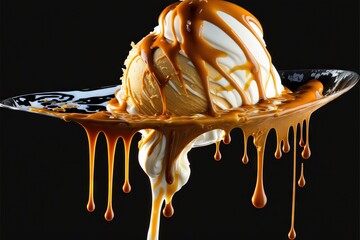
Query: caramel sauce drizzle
column 217, row 155
column 302, row 181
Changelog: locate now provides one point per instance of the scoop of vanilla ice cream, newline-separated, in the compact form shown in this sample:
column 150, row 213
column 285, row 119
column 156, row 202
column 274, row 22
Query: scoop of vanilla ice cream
column 143, row 93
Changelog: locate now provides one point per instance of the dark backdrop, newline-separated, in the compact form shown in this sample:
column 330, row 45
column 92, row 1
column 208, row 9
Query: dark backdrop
column 66, row 45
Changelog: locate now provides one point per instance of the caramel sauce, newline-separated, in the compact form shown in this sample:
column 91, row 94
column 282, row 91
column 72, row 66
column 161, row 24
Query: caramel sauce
column 285, row 111
column 288, row 111
column 217, row 155
column 302, row 181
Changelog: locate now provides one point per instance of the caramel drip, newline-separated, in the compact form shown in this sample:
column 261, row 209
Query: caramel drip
column 245, row 158
column 217, row 155
column 170, row 191
column 301, row 141
column 112, row 134
column 168, row 210
column 192, row 15
column 92, row 139
column 306, row 151
column 286, row 145
column 292, row 233
column 302, row 181
column 227, row 138
column 127, row 142
column 278, row 152
column 111, row 143
column 259, row 198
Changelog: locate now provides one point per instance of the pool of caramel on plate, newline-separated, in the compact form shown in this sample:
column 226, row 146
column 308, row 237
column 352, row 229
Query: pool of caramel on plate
column 288, row 111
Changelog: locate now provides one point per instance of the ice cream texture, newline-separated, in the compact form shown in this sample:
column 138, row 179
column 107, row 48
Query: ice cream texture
column 203, row 58
column 210, row 54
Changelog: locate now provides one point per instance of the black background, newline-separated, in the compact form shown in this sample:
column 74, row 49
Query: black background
column 66, row 45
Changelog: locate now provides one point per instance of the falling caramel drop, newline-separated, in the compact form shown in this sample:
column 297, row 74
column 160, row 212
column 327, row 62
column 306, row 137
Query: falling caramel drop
column 302, row 181
column 292, row 234
column 306, row 152
column 126, row 187
column 168, row 210
column 217, row 155
column 245, row 159
column 109, row 214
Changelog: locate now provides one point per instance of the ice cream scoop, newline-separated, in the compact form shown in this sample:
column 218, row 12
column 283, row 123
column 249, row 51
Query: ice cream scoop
column 204, row 57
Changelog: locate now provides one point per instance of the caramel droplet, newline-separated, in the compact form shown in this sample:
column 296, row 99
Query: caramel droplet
column 109, row 214
column 217, row 155
column 92, row 139
column 245, row 158
column 126, row 187
column 127, row 142
column 302, row 181
column 292, row 234
column 111, row 146
column 227, row 138
column 259, row 199
column 90, row 206
column 306, row 153
column 278, row 153
column 168, row 210
column 286, row 146
column 301, row 141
